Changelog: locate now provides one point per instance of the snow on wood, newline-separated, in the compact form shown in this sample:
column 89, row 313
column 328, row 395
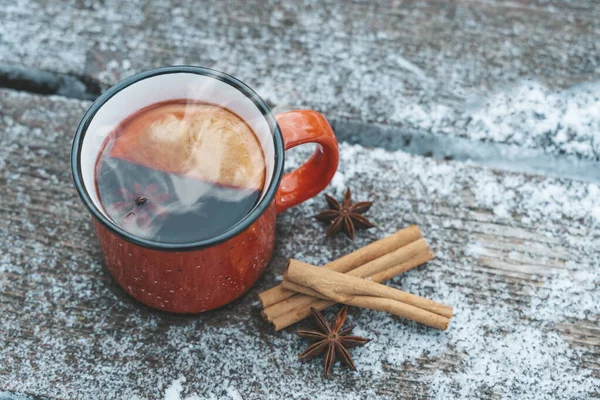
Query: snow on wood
column 499, row 71
column 516, row 256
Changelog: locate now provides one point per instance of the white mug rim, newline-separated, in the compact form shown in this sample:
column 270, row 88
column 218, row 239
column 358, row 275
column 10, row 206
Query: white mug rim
column 244, row 223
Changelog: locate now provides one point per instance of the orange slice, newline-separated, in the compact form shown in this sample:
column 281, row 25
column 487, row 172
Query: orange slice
column 198, row 140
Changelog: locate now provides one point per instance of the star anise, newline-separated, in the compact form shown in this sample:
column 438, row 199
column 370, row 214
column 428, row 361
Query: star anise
column 346, row 216
column 139, row 206
column 331, row 340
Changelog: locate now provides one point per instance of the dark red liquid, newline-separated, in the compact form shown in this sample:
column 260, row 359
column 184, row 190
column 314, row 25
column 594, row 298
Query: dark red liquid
column 180, row 172
column 146, row 202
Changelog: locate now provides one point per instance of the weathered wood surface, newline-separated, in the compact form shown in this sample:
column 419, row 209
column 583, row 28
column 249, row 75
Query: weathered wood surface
column 517, row 72
column 517, row 256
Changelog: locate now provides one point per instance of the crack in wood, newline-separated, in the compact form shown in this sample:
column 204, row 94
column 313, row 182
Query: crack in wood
column 34, row 80
column 427, row 144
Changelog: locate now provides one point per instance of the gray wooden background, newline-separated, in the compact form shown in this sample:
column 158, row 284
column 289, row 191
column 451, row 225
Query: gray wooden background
column 413, row 89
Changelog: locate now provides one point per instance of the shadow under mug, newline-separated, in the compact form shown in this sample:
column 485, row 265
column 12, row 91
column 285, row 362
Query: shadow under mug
column 199, row 276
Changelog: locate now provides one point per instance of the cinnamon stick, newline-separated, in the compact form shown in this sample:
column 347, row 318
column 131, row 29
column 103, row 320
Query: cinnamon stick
column 378, row 265
column 351, row 290
column 351, row 261
column 298, row 314
column 317, row 282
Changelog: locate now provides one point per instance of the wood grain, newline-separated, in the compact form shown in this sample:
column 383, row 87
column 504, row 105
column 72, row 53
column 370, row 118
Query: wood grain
column 427, row 65
column 516, row 254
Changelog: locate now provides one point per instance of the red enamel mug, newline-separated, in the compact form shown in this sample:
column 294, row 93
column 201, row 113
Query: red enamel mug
column 202, row 275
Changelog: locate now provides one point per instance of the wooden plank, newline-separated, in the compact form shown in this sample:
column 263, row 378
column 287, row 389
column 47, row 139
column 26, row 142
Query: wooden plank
column 516, row 256
column 484, row 70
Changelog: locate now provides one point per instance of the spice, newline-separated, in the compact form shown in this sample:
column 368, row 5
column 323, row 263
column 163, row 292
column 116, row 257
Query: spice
column 351, row 261
column 138, row 205
column 355, row 291
column 331, row 340
column 345, row 216
column 393, row 263
column 303, row 311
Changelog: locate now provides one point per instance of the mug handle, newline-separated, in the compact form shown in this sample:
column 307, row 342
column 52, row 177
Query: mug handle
column 300, row 127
